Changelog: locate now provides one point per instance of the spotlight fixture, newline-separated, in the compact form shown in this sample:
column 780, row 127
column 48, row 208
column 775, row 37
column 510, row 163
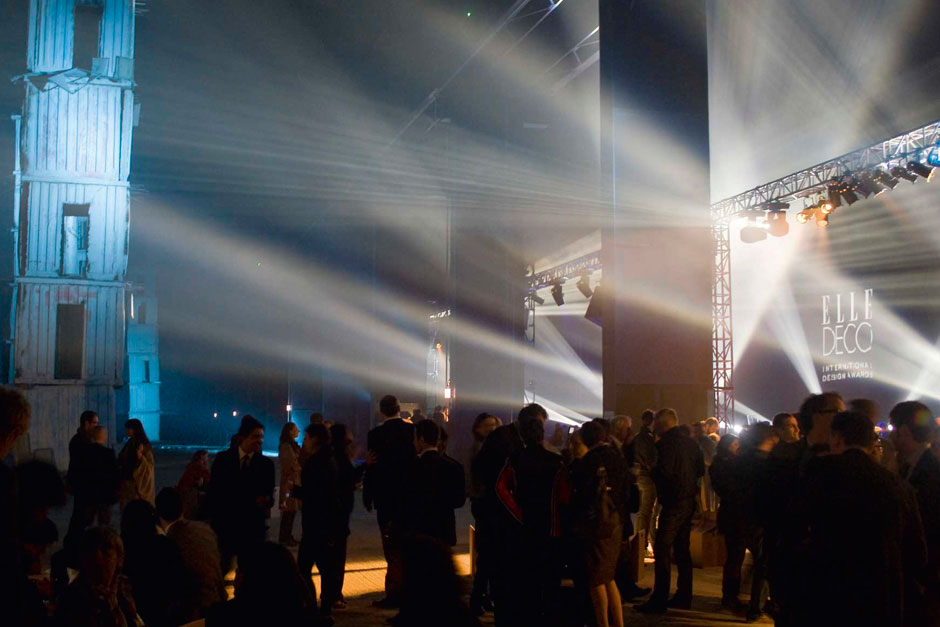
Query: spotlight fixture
column 804, row 216
column 753, row 233
column 584, row 285
column 822, row 220
column 884, row 179
column 775, row 205
column 921, row 170
column 538, row 300
column 902, row 173
column 558, row 293
column 933, row 158
column 847, row 190
column 867, row 186
column 777, row 223
column 834, row 198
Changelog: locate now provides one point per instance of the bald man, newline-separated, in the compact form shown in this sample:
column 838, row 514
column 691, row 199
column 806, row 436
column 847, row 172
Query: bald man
column 679, row 467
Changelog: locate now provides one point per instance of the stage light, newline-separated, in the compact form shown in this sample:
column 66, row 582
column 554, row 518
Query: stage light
column 884, row 179
column 901, row 173
column 777, row 223
column 289, row 407
column 775, row 205
column 538, row 300
column 921, row 170
column 234, row 414
column 822, row 220
column 584, row 286
column 753, row 232
column 867, row 186
column 215, row 414
column 835, row 200
column 558, row 293
column 804, row 216
column 448, row 393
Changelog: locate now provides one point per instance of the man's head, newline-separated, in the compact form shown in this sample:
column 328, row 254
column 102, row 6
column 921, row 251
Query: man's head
column 698, row 429
column 389, row 406
column 316, row 436
column 427, row 434
column 647, row 418
column 787, row 427
column 14, row 418
column 851, row 429
column 533, row 410
column 761, row 436
column 912, row 424
column 620, row 427
column 816, row 414
column 665, row 420
column 99, row 435
column 593, row 433
column 87, row 421
column 531, row 430
column 316, row 418
column 169, row 506
column 251, row 434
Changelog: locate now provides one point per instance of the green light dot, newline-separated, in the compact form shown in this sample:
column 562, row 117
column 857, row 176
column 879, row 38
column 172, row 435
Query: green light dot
column 469, row 13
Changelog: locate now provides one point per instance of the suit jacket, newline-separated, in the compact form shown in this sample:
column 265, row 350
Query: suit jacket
column 392, row 443
column 865, row 538
column 642, row 452
column 925, row 479
column 436, row 487
column 323, row 514
column 679, row 466
column 95, row 474
column 199, row 548
column 233, row 496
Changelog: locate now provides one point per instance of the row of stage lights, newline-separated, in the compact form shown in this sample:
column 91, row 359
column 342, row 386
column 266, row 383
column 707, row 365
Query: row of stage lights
column 845, row 190
column 558, row 290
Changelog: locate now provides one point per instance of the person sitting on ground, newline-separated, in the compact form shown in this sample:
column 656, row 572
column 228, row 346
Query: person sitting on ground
column 199, row 548
column 268, row 591
column 154, row 567
column 100, row 596
column 193, row 484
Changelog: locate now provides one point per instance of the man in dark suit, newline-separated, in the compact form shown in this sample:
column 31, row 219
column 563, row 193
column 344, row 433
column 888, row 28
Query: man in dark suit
column 641, row 453
column 391, row 450
column 84, row 513
column 436, row 488
column 912, row 425
column 679, row 467
column 241, row 492
column 865, row 537
column 96, row 475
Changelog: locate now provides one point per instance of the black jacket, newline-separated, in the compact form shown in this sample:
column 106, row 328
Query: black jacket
column 95, row 474
column 619, row 478
column 678, row 468
column 925, row 479
column 234, row 493
column 323, row 512
column 642, row 452
column 738, row 481
column 436, row 487
column 532, row 489
column 392, row 443
column 865, row 538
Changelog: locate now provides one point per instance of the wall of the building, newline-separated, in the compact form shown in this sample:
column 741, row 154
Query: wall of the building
column 143, row 366
column 75, row 149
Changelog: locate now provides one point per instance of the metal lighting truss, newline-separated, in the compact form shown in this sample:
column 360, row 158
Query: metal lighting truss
column 909, row 146
column 575, row 267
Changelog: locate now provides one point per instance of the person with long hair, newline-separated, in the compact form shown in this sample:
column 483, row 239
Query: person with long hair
column 288, row 455
column 135, row 462
column 193, row 485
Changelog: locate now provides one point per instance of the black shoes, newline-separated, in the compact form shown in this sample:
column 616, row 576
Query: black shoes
column 651, row 607
column 680, row 602
column 629, row 594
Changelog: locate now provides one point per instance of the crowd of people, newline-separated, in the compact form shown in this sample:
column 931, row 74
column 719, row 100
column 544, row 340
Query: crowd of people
column 839, row 511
